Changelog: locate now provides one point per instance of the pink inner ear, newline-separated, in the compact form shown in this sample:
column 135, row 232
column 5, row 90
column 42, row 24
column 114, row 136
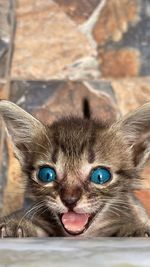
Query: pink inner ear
column 75, row 222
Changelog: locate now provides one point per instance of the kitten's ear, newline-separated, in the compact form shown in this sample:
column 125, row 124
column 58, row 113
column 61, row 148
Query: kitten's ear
column 21, row 126
column 136, row 130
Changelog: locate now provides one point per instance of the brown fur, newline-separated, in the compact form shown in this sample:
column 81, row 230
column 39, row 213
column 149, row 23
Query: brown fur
column 74, row 147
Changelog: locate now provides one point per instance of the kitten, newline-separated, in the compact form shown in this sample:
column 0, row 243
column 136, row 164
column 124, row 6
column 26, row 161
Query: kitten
column 81, row 174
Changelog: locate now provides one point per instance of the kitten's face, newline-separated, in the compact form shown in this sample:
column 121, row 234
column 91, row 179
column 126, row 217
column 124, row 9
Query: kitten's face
column 72, row 151
column 79, row 169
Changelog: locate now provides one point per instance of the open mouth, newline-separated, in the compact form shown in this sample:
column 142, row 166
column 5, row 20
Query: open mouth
column 76, row 223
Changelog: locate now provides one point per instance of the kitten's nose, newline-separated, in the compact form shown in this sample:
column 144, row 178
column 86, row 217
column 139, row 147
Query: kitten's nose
column 70, row 197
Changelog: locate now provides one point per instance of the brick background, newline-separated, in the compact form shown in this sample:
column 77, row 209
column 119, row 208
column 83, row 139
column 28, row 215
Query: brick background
column 54, row 53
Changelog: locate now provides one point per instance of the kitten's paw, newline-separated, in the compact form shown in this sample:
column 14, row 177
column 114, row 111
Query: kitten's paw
column 141, row 233
column 12, row 228
column 6, row 232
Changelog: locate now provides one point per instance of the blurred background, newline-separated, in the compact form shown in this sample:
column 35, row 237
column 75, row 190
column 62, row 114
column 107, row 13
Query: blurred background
column 55, row 52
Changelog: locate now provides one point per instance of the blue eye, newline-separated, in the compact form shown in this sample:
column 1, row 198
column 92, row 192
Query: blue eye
column 46, row 174
column 100, row 175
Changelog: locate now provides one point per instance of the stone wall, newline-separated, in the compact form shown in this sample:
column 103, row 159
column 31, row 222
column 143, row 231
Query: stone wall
column 54, row 53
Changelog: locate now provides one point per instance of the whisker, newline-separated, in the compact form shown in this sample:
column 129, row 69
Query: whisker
column 36, row 206
column 37, row 212
column 112, row 211
column 44, row 210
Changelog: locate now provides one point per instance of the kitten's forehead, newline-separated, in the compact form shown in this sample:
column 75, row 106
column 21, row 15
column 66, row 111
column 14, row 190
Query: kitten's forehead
column 75, row 142
column 73, row 137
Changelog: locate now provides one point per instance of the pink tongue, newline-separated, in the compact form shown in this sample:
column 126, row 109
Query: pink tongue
column 74, row 222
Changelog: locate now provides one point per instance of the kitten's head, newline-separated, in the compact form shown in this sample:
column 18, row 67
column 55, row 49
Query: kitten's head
column 78, row 167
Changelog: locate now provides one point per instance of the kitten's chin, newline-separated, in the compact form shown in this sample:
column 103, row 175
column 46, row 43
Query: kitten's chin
column 75, row 223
